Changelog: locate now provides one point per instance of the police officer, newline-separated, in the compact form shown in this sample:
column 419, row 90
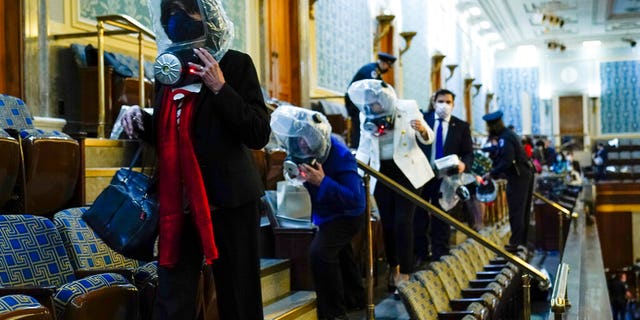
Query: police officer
column 373, row 70
column 511, row 162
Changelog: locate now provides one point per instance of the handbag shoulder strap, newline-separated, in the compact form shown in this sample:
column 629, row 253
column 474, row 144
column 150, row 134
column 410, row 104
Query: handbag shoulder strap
column 136, row 157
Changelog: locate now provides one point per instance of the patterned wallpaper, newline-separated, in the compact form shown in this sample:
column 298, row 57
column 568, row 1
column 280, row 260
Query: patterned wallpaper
column 415, row 68
column 620, row 96
column 343, row 41
column 236, row 12
column 89, row 9
column 511, row 84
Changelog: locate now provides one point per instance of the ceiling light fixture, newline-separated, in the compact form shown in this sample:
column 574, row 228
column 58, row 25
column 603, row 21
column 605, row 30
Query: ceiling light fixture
column 552, row 20
column 553, row 45
column 631, row 42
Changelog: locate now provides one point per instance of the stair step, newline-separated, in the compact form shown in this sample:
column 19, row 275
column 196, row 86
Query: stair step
column 275, row 279
column 299, row 305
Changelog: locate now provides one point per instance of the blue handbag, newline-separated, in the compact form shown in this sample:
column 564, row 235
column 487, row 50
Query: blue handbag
column 125, row 214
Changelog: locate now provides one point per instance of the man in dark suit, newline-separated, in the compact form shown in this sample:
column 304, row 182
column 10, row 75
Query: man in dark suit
column 373, row 70
column 453, row 136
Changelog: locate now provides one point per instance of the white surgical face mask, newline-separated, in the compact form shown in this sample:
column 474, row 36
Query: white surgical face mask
column 443, row 110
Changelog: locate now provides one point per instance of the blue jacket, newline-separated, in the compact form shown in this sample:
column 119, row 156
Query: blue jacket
column 341, row 193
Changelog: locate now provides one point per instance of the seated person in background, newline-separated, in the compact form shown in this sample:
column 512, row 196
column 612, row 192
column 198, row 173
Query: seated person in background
column 600, row 161
column 330, row 174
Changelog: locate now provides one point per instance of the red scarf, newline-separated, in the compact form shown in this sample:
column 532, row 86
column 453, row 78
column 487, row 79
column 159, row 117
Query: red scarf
column 180, row 175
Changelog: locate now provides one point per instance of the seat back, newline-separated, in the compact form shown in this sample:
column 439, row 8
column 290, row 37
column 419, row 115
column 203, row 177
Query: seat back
column 9, row 166
column 51, row 161
column 470, row 267
column 32, row 253
column 52, row 168
column 430, row 281
column 85, row 249
column 23, row 307
column 448, row 279
column 417, row 301
column 14, row 114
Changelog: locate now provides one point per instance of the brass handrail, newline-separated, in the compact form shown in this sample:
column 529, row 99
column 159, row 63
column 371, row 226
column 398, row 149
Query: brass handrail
column 126, row 22
column 126, row 25
column 562, row 210
column 559, row 300
column 544, row 281
column 123, row 22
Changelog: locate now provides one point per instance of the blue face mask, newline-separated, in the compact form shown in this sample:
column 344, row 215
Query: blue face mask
column 181, row 27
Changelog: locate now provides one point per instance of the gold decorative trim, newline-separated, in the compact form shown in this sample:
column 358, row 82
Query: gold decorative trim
column 105, row 172
column 93, row 142
column 612, row 208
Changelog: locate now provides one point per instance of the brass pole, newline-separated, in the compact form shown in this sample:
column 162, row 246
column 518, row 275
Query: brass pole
column 101, row 94
column 369, row 234
column 141, row 75
column 526, row 296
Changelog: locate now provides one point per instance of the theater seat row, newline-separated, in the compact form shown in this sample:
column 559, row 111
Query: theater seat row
column 69, row 271
column 464, row 284
column 38, row 169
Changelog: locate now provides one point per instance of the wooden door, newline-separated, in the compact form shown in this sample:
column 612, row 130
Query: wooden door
column 615, row 233
column 571, row 120
column 284, row 56
column 10, row 48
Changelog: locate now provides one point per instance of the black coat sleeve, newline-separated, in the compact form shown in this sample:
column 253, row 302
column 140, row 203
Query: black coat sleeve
column 466, row 148
column 241, row 105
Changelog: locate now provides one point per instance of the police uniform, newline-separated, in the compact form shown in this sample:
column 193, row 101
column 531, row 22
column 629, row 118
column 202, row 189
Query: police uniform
column 512, row 163
column 368, row 71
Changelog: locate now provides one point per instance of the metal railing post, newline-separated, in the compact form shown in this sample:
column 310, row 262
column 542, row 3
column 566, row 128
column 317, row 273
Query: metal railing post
column 369, row 235
column 101, row 94
column 526, row 296
column 141, row 73
column 559, row 298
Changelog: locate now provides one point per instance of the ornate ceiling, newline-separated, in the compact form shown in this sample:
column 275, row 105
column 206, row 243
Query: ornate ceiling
column 569, row 22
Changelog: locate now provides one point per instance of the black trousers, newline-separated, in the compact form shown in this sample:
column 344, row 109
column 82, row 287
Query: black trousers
column 236, row 271
column 519, row 191
column 354, row 114
column 335, row 273
column 396, row 214
column 429, row 230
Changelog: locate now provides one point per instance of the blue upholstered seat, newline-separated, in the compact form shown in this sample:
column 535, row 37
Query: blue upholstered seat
column 33, row 255
column 20, row 306
column 88, row 252
column 51, row 161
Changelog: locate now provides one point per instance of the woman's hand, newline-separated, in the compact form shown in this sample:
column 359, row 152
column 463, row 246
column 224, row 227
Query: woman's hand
column 313, row 175
column 420, row 128
column 131, row 120
column 210, row 72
